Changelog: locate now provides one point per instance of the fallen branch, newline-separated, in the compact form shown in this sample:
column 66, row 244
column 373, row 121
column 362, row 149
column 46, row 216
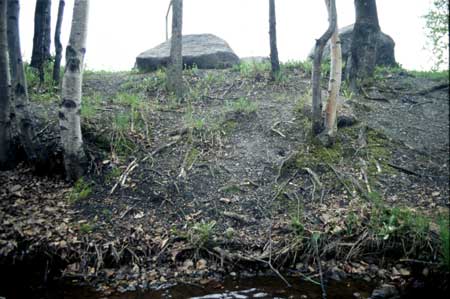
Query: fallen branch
column 314, row 177
column 432, row 89
column 402, row 169
column 124, row 175
column 165, row 146
column 367, row 96
column 238, row 217
column 273, row 129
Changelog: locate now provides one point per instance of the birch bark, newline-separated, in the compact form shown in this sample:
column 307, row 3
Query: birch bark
column 69, row 115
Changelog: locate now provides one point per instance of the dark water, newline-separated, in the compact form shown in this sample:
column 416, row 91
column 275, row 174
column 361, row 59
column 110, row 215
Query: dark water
column 260, row 287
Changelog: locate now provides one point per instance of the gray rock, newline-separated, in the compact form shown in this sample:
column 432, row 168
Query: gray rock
column 385, row 49
column 206, row 51
column 384, row 292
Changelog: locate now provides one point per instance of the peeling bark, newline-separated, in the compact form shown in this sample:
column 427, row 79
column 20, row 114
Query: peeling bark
column 175, row 68
column 334, row 84
column 364, row 42
column 58, row 45
column 41, row 39
column 275, row 63
column 317, row 122
column 19, row 99
column 69, row 114
column 5, row 121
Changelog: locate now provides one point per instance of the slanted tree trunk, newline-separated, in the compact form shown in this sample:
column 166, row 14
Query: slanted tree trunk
column 69, row 115
column 167, row 20
column 364, row 42
column 275, row 63
column 317, row 122
column 58, row 45
column 18, row 83
column 41, row 39
column 334, row 84
column 175, row 68
column 5, row 121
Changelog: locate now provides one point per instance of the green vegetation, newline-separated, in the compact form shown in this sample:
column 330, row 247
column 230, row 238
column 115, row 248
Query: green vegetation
column 252, row 69
column 316, row 154
column 444, row 233
column 432, row 75
column 436, row 29
column 86, row 228
column 305, row 66
column 46, row 92
column 90, row 106
column 150, row 83
column 80, row 190
column 297, row 226
column 242, row 105
column 201, row 233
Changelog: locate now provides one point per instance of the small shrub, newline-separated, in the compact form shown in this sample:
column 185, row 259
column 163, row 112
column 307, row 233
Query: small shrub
column 86, row 228
column 242, row 105
column 251, row 69
column 80, row 190
column 201, row 234
column 297, row 226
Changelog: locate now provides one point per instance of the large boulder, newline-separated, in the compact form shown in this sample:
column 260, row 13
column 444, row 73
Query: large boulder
column 385, row 49
column 206, row 51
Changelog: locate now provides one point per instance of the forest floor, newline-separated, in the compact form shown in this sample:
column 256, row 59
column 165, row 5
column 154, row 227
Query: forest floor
column 230, row 180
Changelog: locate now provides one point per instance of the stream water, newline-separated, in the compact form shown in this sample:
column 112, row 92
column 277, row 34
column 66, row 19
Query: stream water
column 258, row 287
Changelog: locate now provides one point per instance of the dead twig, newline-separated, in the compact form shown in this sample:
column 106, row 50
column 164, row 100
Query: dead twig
column 165, row 146
column 402, row 169
column 273, row 129
column 314, row 176
column 367, row 96
column 122, row 179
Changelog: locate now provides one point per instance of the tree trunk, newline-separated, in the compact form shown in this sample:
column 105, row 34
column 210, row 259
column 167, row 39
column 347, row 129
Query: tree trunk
column 273, row 41
column 334, row 84
column 41, row 39
column 5, row 121
column 167, row 20
column 19, row 86
column 175, row 68
column 69, row 115
column 317, row 123
column 364, row 42
column 58, row 45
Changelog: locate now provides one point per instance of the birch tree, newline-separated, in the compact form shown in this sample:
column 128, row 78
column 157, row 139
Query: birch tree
column 41, row 39
column 364, row 42
column 5, row 121
column 175, row 68
column 275, row 63
column 334, row 84
column 19, row 92
column 167, row 20
column 317, row 122
column 58, row 45
column 69, row 115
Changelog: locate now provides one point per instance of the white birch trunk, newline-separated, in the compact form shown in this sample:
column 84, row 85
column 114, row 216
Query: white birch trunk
column 69, row 115
column 5, row 95
column 334, row 84
column 19, row 99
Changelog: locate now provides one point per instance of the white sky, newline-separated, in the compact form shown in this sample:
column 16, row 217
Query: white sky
column 121, row 29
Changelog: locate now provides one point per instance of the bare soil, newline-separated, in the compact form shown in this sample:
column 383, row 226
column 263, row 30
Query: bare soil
column 231, row 180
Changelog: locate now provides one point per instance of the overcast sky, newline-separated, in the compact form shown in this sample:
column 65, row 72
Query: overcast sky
column 121, row 29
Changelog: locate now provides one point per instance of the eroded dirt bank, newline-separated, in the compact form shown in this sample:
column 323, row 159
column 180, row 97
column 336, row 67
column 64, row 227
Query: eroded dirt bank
column 231, row 181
